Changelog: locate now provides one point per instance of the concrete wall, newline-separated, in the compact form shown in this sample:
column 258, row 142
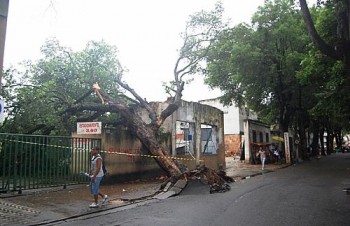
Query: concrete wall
column 124, row 157
column 200, row 115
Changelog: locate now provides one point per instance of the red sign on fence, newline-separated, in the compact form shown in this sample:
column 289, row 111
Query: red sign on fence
column 89, row 127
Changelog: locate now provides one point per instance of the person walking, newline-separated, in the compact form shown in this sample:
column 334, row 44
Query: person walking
column 96, row 175
column 276, row 155
column 262, row 157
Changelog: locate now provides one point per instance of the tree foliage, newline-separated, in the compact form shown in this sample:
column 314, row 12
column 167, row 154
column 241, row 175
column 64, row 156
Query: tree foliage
column 272, row 67
column 328, row 28
column 255, row 65
column 38, row 98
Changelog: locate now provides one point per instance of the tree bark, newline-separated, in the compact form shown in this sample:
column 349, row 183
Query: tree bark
column 341, row 49
column 316, row 39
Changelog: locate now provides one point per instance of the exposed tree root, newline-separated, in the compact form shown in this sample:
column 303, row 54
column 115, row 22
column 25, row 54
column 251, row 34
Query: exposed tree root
column 218, row 181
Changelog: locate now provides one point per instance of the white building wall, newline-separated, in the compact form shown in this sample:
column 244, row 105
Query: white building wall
column 232, row 120
column 233, row 116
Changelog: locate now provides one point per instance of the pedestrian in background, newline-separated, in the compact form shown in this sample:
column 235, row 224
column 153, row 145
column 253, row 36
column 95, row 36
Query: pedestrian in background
column 96, row 175
column 262, row 155
column 276, row 155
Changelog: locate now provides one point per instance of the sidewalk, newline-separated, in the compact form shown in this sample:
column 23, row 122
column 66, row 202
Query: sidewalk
column 241, row 170
column 48, row 205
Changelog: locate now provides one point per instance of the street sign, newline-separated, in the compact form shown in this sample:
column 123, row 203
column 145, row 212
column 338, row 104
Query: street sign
column 89, row 127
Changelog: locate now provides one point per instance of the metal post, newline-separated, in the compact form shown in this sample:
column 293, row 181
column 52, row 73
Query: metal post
column 4, row 6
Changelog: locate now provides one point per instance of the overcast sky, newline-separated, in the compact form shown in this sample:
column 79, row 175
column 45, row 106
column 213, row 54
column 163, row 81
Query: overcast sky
column 146, row 33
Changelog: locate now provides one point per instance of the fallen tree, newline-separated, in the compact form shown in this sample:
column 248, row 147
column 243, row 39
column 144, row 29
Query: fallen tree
column 218, row 181
column 201, row 31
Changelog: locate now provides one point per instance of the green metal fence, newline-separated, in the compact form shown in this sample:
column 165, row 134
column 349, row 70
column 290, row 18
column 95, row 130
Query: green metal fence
column 31, row 162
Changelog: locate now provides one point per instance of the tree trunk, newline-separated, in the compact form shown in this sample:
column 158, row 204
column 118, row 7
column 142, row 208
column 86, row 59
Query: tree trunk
column 147, row 136
column 315, row 140
column 302, row 142
column 322, row 141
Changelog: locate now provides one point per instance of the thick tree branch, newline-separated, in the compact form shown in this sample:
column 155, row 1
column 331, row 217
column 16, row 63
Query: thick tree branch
column 316, row 39
column 83, row 97
column 152, row 114
column 87, row 118
column 113, row 107
column 142, row 101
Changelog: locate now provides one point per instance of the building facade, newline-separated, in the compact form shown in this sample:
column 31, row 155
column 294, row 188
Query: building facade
column 234, row 118
column 194, row 135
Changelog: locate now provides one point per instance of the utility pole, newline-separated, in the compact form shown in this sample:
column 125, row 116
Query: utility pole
column 4, row 8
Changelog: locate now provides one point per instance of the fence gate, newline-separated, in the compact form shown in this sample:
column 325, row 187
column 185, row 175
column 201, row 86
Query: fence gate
column 31, row 161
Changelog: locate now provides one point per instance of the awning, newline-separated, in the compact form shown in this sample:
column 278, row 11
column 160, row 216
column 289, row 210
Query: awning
column 277, row 138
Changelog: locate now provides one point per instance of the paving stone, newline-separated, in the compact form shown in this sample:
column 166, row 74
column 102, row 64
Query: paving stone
column 14, row 214
column 180, row 184
column 176, row 190
column 167, row 186
column 165, row 195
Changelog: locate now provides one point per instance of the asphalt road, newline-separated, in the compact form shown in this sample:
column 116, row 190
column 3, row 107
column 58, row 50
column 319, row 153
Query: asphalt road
column 309, row 193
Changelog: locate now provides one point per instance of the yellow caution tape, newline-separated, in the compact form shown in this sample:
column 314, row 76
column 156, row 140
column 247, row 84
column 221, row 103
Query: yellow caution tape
column 118, row 153
column 152, row 156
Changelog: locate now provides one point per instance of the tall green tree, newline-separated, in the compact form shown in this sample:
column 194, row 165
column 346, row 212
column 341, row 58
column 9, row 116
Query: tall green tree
column 256, row 64
column 330, row 34
column 324, row 70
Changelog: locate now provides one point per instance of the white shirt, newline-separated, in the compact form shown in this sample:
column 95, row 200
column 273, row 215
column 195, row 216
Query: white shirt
column 94, row 165
column 262, row 154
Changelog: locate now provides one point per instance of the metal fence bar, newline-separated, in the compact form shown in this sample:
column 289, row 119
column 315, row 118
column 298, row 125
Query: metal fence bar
column 32, row 161
column 14, row 161
column 31, row 172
